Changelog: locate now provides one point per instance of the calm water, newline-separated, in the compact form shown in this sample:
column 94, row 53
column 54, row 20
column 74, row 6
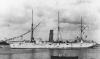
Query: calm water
column 47, row 53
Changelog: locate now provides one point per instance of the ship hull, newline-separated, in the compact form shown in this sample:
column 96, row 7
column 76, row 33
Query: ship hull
column 52, row 46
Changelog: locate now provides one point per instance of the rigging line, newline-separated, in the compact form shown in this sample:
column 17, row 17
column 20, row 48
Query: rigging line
column 30, row 30
column 26, row 32
column 37, row 25
column 23, row 34
column 61, row 34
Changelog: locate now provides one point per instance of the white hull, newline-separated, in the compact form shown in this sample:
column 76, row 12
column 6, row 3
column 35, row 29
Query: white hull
column 53, row 45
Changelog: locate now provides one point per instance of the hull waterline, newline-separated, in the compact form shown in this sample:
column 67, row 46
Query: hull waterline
column 52, row 46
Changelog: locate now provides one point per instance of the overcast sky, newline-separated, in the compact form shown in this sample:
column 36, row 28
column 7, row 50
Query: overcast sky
column 15, row 17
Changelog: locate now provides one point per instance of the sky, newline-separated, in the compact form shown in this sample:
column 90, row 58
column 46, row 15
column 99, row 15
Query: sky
column 16, row 15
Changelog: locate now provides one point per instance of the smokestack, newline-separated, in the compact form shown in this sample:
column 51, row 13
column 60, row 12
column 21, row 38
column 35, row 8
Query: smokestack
column 51, row 36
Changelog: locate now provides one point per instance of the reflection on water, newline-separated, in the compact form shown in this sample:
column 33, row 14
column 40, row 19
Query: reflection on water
column 64, row 57
column 49, row 53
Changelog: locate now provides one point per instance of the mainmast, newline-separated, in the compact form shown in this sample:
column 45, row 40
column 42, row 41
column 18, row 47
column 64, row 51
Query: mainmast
column 32, row 38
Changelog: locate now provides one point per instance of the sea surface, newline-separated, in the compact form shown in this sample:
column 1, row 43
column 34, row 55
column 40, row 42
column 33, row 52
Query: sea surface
column 91, row 53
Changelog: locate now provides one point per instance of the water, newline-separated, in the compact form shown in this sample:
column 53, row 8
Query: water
column 48, row 53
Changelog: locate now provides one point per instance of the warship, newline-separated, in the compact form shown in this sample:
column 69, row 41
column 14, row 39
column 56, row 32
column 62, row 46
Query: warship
column 78, row 43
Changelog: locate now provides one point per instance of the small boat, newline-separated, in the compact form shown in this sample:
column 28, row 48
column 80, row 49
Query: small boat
column 4, row 44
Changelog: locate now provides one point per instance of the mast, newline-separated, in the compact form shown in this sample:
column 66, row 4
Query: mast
column 81, row 29
column 32, row 38
column 58, row 27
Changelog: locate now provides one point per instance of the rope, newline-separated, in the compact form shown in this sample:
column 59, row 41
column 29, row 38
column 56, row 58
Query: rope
column 25, row 32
